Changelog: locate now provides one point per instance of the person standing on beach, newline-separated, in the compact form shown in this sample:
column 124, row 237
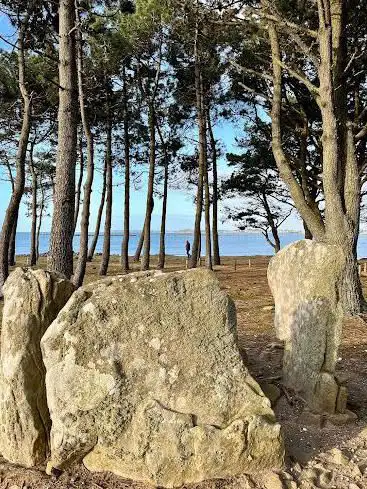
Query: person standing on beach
column 188, row 248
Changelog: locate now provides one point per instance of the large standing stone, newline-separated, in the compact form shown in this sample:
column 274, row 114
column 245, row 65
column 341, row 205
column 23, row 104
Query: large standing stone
column 303, row 278
column 145, row 379
column 33, row 299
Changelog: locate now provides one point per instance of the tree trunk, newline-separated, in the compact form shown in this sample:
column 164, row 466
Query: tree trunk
column 40, row 218
column 79, row 185
column 150, row 202
column 216, row 252
column 350, row 288
column 33, row 253
column 109, row 185
column 93, row 245
column 140, row 245
column 308, row 234
column 11, row 215
column 12, row 247
column 84, row 225
column 125, row 241
column 204, row 148
column 271, row 222
column 201, row 125
column 162, row 238
column 62, row 229
column 11, row 252
column 275, row 234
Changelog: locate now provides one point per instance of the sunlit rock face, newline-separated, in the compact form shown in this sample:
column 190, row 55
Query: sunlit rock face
column 33, row 299
column 145, row 379
column 304, row 278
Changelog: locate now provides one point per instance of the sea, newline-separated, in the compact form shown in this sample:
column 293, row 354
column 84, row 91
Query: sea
column 231, row 244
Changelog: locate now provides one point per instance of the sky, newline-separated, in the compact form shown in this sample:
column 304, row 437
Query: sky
column 181, row 209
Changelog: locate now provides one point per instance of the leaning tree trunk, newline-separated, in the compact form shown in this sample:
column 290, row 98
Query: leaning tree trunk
column 93, row 245
column 108, row 218
column 149, row 208
column 84, row 225
column 140, row 245
column 162, row 238
column 79, row 185
column 216, row 253
column 62, row 229
column 125, row 241
column 12, row 211
column 33, row 253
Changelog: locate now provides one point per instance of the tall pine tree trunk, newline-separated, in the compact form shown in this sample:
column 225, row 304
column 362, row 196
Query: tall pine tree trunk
column 62, row 229
column 108, row 218
column 12, row 211
column 213, row 146
column 162, row 237
column 93, row 244
column 204, row 148
column 40, row 218
column 140, row 245
column 84, row 225
column 145, row 262
column 80, row 181
column 33, row 253
column 201, row 126
column 126, row 238
column 12, row 244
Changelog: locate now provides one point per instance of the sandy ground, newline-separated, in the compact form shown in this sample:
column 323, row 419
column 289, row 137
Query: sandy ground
column 331, row 457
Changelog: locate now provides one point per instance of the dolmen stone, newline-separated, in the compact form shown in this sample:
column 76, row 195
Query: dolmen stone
column 145, row 379
column 303, row 278
column 33, row 299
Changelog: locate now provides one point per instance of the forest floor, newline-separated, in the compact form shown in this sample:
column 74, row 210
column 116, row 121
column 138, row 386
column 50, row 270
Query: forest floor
column 325, row 458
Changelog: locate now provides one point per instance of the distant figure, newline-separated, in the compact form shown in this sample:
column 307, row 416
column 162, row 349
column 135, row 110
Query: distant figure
column 188, row 248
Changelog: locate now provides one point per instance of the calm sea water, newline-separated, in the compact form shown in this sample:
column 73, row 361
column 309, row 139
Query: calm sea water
column 236, row 244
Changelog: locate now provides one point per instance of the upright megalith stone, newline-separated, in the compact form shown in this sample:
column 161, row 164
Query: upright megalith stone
column 304, row 278
column 33, row 299
column 145, row 379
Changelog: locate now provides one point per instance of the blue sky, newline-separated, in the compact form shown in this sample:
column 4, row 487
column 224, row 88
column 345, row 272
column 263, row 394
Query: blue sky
column 180, row 201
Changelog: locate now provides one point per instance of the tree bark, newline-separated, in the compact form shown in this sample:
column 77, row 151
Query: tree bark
column 125, row 241
column 84, row 225
column 11, row 215
column 11, row 252
column 80, row 181
column 108, row 218
column 145, row 262
column 33, row 252
column 40, row 218
column 308, row 234
column 140, row 245
column 201, row 125
column 93, row 244
column 216, row 252
column 162, row 238
column 62, row 229
column 12, row 244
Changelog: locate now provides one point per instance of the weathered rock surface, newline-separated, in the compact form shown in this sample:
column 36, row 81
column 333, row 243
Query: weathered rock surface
column 33, row 299
column 303, row 278
column 145, row 379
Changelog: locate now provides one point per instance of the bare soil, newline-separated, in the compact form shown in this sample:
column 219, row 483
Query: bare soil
column 325, row 458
